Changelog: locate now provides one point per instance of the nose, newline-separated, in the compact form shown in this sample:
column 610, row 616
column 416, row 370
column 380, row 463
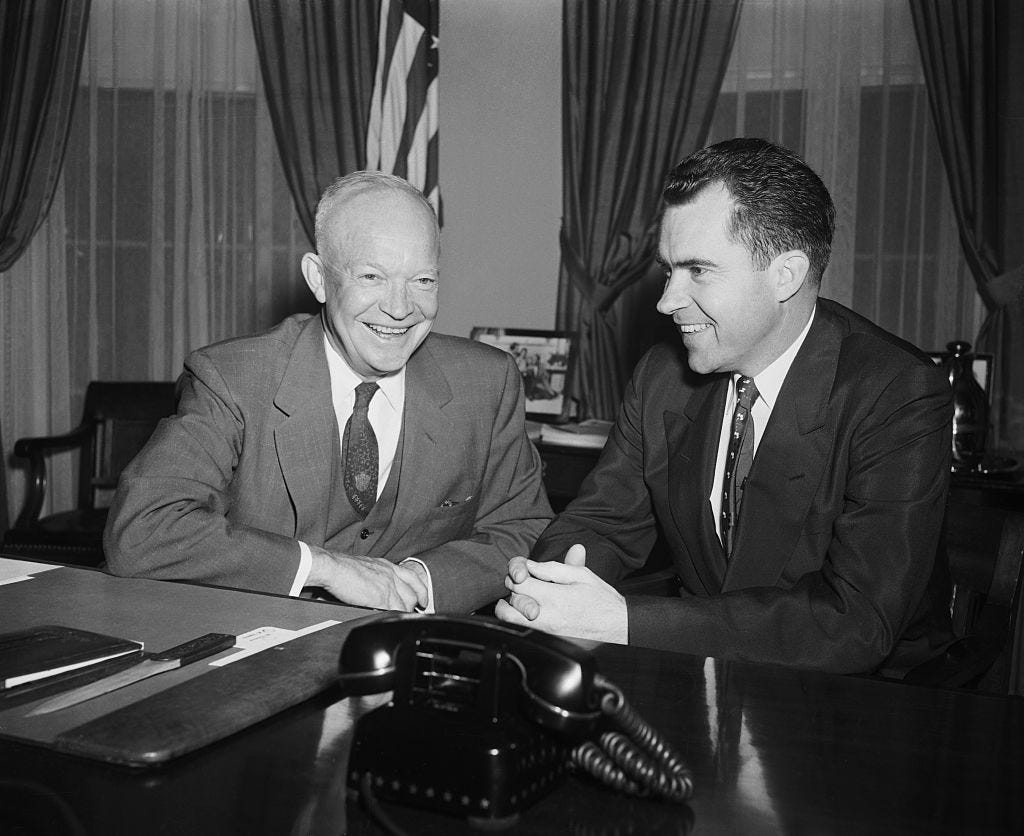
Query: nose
column 676, row 293
column 396, row 303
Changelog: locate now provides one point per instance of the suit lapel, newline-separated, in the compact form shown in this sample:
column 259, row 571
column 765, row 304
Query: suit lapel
column 428, row 434
column 692, row 437
column 790, row 458
column 307, row 438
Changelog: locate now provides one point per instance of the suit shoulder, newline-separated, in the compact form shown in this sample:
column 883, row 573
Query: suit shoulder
column 283, row 334
column 869, row 351
column 251, row 365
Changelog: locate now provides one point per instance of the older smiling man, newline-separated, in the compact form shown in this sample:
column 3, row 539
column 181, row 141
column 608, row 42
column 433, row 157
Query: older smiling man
column 794, row 457
column 352, row 452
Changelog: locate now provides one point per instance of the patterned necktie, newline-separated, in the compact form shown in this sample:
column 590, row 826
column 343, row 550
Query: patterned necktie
column 738, row 459
column 359, row 453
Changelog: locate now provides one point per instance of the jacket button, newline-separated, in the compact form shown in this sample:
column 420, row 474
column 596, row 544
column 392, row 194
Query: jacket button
column 364, row 534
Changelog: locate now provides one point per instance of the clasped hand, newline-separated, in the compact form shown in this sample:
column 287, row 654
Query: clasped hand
column 563, row 598
column 369, row 581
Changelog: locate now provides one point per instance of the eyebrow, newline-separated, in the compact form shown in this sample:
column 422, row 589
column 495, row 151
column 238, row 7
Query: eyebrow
column 687, row 263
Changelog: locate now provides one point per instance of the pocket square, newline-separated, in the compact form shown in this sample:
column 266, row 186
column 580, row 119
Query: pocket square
column 451, row 503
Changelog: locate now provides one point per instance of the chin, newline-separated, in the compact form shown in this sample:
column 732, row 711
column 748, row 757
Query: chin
column 698, row 364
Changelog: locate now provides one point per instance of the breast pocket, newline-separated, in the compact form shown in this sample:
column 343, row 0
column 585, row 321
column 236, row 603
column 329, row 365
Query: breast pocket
column 449, row 522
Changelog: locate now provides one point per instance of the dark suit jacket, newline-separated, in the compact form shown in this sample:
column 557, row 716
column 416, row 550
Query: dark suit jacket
column 834, row 566
column 225, row 489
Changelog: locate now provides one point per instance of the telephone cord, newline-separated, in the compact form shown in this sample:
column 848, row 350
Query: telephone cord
column 634, row 759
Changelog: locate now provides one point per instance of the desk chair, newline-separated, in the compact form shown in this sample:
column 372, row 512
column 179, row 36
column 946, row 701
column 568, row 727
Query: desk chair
column 117, row 420
column 985, row 549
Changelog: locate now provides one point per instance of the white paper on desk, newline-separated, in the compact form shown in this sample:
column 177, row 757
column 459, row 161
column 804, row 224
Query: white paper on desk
column 263, row 637
column 12, row 571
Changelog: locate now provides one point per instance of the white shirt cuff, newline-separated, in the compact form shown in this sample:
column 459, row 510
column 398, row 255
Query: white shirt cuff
column 429, row 608
column 305, row 566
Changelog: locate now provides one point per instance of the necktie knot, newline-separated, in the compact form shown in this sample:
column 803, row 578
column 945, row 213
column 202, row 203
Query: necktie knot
column 746, row 392
column 364, row 394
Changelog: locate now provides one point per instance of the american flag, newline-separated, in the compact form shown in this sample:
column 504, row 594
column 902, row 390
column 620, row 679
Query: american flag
column 402, row 134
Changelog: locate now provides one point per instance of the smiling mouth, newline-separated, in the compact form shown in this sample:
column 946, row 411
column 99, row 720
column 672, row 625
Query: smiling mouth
column 385, row 331
column 693, row 328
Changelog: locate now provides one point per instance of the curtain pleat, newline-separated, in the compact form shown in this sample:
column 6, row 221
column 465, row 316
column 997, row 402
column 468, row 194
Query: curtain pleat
column 639, row 84
column 971, row 55
column 318, row 63
column 40, row 55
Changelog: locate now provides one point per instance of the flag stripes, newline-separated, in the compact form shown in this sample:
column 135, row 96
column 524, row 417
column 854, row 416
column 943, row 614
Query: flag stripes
column 402, row 134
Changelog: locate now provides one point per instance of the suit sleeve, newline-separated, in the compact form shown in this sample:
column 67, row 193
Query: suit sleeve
column 169, row 519
column 513, row 509
column 612, row 516
column 869, row 578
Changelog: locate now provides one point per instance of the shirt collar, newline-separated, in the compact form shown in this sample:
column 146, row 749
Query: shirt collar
column 769, row 382
column 344, row 380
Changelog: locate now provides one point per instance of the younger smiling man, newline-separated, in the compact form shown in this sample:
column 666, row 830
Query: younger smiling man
column 247, row 486
column 824, row 556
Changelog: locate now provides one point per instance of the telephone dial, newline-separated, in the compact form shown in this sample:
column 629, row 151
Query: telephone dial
column 486, row 717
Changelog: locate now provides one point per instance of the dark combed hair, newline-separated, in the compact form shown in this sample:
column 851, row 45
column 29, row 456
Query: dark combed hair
column 780, row 203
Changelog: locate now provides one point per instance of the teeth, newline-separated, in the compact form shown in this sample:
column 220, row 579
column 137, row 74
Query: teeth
column 383, row 330
column 693, row 329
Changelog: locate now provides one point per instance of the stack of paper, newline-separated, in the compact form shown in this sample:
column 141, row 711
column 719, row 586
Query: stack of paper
column 592, row 433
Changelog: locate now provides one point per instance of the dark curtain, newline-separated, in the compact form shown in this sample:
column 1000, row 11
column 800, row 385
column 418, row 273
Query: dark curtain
column 640, row 80
column 317, row 59
column 40, row 54
column 973, row 58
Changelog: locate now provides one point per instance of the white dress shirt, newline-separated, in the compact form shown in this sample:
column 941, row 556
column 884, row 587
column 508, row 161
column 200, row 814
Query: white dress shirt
column 385, row 414
column 768, row 383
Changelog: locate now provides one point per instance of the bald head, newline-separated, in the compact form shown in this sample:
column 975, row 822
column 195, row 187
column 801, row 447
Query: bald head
column 355, row 191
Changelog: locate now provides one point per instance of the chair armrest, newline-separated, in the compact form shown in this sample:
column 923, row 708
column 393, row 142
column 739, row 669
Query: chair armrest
column 35, row 449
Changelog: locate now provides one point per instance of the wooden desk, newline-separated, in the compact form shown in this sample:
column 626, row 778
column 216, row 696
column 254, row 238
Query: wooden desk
column 773, row 751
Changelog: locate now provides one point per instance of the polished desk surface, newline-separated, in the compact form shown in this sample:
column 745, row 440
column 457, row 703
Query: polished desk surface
column 773, row 751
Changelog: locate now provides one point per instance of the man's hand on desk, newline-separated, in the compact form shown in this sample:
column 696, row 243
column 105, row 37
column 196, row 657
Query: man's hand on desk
column 369, row 581
column 564, row 598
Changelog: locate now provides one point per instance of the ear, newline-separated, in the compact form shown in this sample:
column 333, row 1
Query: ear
column 789, row 273
column 313, row 272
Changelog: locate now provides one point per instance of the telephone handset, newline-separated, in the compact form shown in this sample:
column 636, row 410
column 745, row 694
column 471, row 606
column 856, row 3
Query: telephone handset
column 486, row 717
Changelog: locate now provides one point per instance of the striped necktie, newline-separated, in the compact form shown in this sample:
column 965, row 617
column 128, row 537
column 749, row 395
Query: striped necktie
column 738, row 459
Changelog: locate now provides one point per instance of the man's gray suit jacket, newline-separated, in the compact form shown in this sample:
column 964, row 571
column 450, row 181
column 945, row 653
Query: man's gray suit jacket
column 226, row 488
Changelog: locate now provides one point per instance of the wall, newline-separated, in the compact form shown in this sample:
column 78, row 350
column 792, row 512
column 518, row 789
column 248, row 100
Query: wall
column 500, row 162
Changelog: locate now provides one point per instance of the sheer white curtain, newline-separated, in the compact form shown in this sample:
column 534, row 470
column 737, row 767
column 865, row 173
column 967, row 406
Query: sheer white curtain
column 840, row 83
column 174, row 226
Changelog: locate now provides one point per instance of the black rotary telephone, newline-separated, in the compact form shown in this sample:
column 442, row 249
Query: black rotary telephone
column 487, row 716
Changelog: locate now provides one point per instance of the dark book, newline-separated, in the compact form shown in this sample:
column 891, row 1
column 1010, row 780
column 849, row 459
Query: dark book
column 50, row 651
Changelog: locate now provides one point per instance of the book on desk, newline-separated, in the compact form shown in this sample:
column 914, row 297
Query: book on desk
column 49, row 652
column 293, row 657
column 590, row 434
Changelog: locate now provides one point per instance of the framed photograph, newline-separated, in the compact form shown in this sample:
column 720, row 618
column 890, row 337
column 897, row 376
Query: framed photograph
column 981, row 366
column 545, row 360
